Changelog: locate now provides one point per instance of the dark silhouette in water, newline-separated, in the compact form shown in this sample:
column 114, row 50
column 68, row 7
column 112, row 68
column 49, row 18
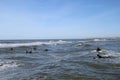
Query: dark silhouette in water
column 28, row 51
column 34, row 48
column 98, row 49
column 99, row 56
column 46, row 50
column 11, row 49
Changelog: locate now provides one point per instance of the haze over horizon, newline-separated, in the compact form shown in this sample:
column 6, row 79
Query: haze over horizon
column 55, row 19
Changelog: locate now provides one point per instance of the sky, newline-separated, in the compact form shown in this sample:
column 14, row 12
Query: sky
column 59, row 19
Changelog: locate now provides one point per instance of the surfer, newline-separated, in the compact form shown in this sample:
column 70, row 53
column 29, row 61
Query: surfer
column 98, row 55
column 102, row 53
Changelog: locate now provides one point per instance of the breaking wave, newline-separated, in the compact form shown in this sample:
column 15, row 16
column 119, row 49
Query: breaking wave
column 7, row 64
column 7, row 45
column 108, row 53
column 99, row 40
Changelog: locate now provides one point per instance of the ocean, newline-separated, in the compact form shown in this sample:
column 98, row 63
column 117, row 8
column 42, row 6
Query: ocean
column 59, row 59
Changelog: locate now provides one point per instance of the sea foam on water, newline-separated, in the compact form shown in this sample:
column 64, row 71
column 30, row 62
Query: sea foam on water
column 7, row 45
column 7, row 64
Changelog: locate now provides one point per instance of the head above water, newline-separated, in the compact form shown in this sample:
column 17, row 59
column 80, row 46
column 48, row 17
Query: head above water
column 98, row 49
column 11, row 49
column 46, row 50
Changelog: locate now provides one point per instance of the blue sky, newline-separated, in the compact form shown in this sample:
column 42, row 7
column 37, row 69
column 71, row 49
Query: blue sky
column 46, row 19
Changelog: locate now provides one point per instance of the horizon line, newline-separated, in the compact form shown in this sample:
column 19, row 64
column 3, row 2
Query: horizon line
column 60, row 38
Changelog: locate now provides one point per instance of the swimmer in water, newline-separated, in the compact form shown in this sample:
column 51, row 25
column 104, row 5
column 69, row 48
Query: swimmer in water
column 46, row 50
column 98, row 49
column 11, row 49
column 28, row 51
column 101, row 54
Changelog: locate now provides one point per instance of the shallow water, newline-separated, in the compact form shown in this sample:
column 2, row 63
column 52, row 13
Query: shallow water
column 64, row 60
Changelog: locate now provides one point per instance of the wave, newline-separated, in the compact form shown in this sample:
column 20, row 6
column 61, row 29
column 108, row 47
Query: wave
column 7, row 45
column 79, row 44
column 108, row 53
column 100, row 40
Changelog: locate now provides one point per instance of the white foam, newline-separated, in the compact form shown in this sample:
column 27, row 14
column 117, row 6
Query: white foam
column 7, row 64
column 99, row 40
column 57, row 58
column 109, row 53
column 6, row 45
column 79, row 44
column 82, row 41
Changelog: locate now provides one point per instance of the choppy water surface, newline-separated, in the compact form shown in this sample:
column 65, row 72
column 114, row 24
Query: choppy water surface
column 59, row 60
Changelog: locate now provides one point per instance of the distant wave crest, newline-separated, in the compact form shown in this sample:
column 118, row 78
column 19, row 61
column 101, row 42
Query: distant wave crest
column 100, row 40
column 7, row 45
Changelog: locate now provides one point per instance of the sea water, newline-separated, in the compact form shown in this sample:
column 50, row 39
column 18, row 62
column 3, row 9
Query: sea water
column 59, row 59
